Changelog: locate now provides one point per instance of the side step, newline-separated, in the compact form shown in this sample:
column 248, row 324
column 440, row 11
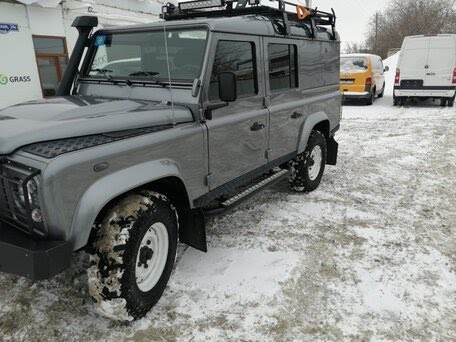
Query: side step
column 244, row 195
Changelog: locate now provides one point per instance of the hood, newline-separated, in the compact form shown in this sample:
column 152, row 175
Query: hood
column 73, row 116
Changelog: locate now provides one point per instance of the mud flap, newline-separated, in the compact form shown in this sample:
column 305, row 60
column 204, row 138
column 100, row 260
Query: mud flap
column 332, row 149
column 193, row 233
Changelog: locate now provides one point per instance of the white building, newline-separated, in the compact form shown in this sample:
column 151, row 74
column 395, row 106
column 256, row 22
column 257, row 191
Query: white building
column 36, row 39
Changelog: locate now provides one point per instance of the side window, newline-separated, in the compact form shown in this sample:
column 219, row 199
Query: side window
column 283, row 72
column 237, row 57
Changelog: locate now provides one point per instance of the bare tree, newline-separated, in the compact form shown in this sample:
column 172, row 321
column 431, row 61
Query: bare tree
column 351, row 47
column 410, row 17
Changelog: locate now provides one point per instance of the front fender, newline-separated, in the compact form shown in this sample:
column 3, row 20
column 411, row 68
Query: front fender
column 111, row 186
column 311, row 121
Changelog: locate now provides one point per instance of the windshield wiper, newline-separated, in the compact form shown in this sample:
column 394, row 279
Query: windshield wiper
column 151, row 75
column 105, row 73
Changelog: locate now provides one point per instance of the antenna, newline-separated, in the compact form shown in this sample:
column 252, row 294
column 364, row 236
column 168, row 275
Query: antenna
column 169, row 73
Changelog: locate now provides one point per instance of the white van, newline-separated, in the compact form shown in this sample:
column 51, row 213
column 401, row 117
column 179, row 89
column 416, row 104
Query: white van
column 427, row 69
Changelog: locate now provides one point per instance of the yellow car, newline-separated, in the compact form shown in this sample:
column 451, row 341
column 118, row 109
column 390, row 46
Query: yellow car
column 362, row 76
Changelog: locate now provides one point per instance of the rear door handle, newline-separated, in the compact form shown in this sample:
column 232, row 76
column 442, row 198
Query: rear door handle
column 430, row 73
column 257, row 126
column 296, row 115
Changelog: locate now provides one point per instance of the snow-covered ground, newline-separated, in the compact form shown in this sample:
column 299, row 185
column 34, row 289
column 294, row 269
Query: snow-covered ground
column 370, row 255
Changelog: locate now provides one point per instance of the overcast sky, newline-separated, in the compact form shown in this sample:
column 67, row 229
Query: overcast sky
column 352, row 16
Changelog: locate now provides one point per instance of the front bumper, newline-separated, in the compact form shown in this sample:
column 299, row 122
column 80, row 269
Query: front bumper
column 37, row 260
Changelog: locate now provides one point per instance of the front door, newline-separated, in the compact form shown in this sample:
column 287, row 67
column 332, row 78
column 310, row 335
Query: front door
column 238, row 133
column 378, row 73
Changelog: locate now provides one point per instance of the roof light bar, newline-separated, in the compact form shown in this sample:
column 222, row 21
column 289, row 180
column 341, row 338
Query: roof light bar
column 199, row 4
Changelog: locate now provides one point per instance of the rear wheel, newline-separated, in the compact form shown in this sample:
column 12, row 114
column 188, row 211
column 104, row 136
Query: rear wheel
column 370, row 100
column 451, row 102
column 307, row 169
column 133, row 256
column 443, row 102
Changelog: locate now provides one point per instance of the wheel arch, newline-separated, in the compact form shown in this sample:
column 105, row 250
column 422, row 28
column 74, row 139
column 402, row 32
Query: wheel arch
column 317, row 121
column 160, row 175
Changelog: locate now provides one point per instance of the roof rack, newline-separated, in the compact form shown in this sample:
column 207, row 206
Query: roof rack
column 227, row 8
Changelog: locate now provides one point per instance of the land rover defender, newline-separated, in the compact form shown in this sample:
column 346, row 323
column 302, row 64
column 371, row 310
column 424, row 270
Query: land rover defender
column 158, row 127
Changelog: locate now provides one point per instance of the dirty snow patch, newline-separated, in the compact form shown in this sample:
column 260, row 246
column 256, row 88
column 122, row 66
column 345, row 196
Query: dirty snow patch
column 236, row 272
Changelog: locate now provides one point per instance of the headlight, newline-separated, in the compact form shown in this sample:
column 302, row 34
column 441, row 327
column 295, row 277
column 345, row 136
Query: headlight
column 32, row 189
column 21, row 197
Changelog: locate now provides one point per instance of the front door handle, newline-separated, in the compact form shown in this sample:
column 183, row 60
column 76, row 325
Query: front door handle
column 257, row 126
column 296, row 115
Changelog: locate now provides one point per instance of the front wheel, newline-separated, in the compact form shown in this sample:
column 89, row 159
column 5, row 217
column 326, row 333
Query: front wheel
column 383, row 92
column 307, row 169
column 133, row 256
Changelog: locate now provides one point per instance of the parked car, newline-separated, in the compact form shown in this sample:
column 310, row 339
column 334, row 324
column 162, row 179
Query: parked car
column 362, row 77
column 426, row 69
column 124, row 163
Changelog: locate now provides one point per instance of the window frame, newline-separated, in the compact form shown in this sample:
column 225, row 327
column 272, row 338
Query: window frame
column 296, row 62
column 256, row 83
column 91, row 52
column 56, row 56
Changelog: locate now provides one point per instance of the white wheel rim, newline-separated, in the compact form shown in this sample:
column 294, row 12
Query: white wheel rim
column 150, row 266
column 317, row 156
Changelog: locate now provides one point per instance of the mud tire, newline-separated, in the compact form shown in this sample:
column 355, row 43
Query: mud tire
column 299, row 178
column 112, row 276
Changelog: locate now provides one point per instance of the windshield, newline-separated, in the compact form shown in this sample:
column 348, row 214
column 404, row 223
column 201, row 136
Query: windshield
column 143, row 55
column 350, row 65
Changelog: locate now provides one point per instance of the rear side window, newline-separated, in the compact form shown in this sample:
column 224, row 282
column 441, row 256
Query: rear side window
column 283, row 72
column 237, row 57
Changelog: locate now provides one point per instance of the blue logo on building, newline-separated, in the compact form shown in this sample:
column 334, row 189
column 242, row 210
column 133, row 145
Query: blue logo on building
column 6, row 28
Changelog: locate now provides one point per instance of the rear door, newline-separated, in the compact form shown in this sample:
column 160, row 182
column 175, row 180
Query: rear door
column 414, row 57
column 441, row 61
column 237, row 133
column 284, row 98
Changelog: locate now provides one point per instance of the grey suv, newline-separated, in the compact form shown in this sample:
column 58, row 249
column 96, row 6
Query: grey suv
column 163, row 125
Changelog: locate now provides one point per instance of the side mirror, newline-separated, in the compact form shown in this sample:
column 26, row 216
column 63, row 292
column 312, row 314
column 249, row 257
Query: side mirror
column 386, row 69
column 227, row 86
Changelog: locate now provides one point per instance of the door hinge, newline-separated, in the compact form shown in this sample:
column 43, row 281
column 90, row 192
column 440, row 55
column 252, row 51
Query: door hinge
column 210, row 180
column 266, row 101
column 267, row 154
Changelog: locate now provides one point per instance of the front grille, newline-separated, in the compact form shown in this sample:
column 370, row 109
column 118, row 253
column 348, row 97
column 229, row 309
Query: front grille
column 15, row 202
